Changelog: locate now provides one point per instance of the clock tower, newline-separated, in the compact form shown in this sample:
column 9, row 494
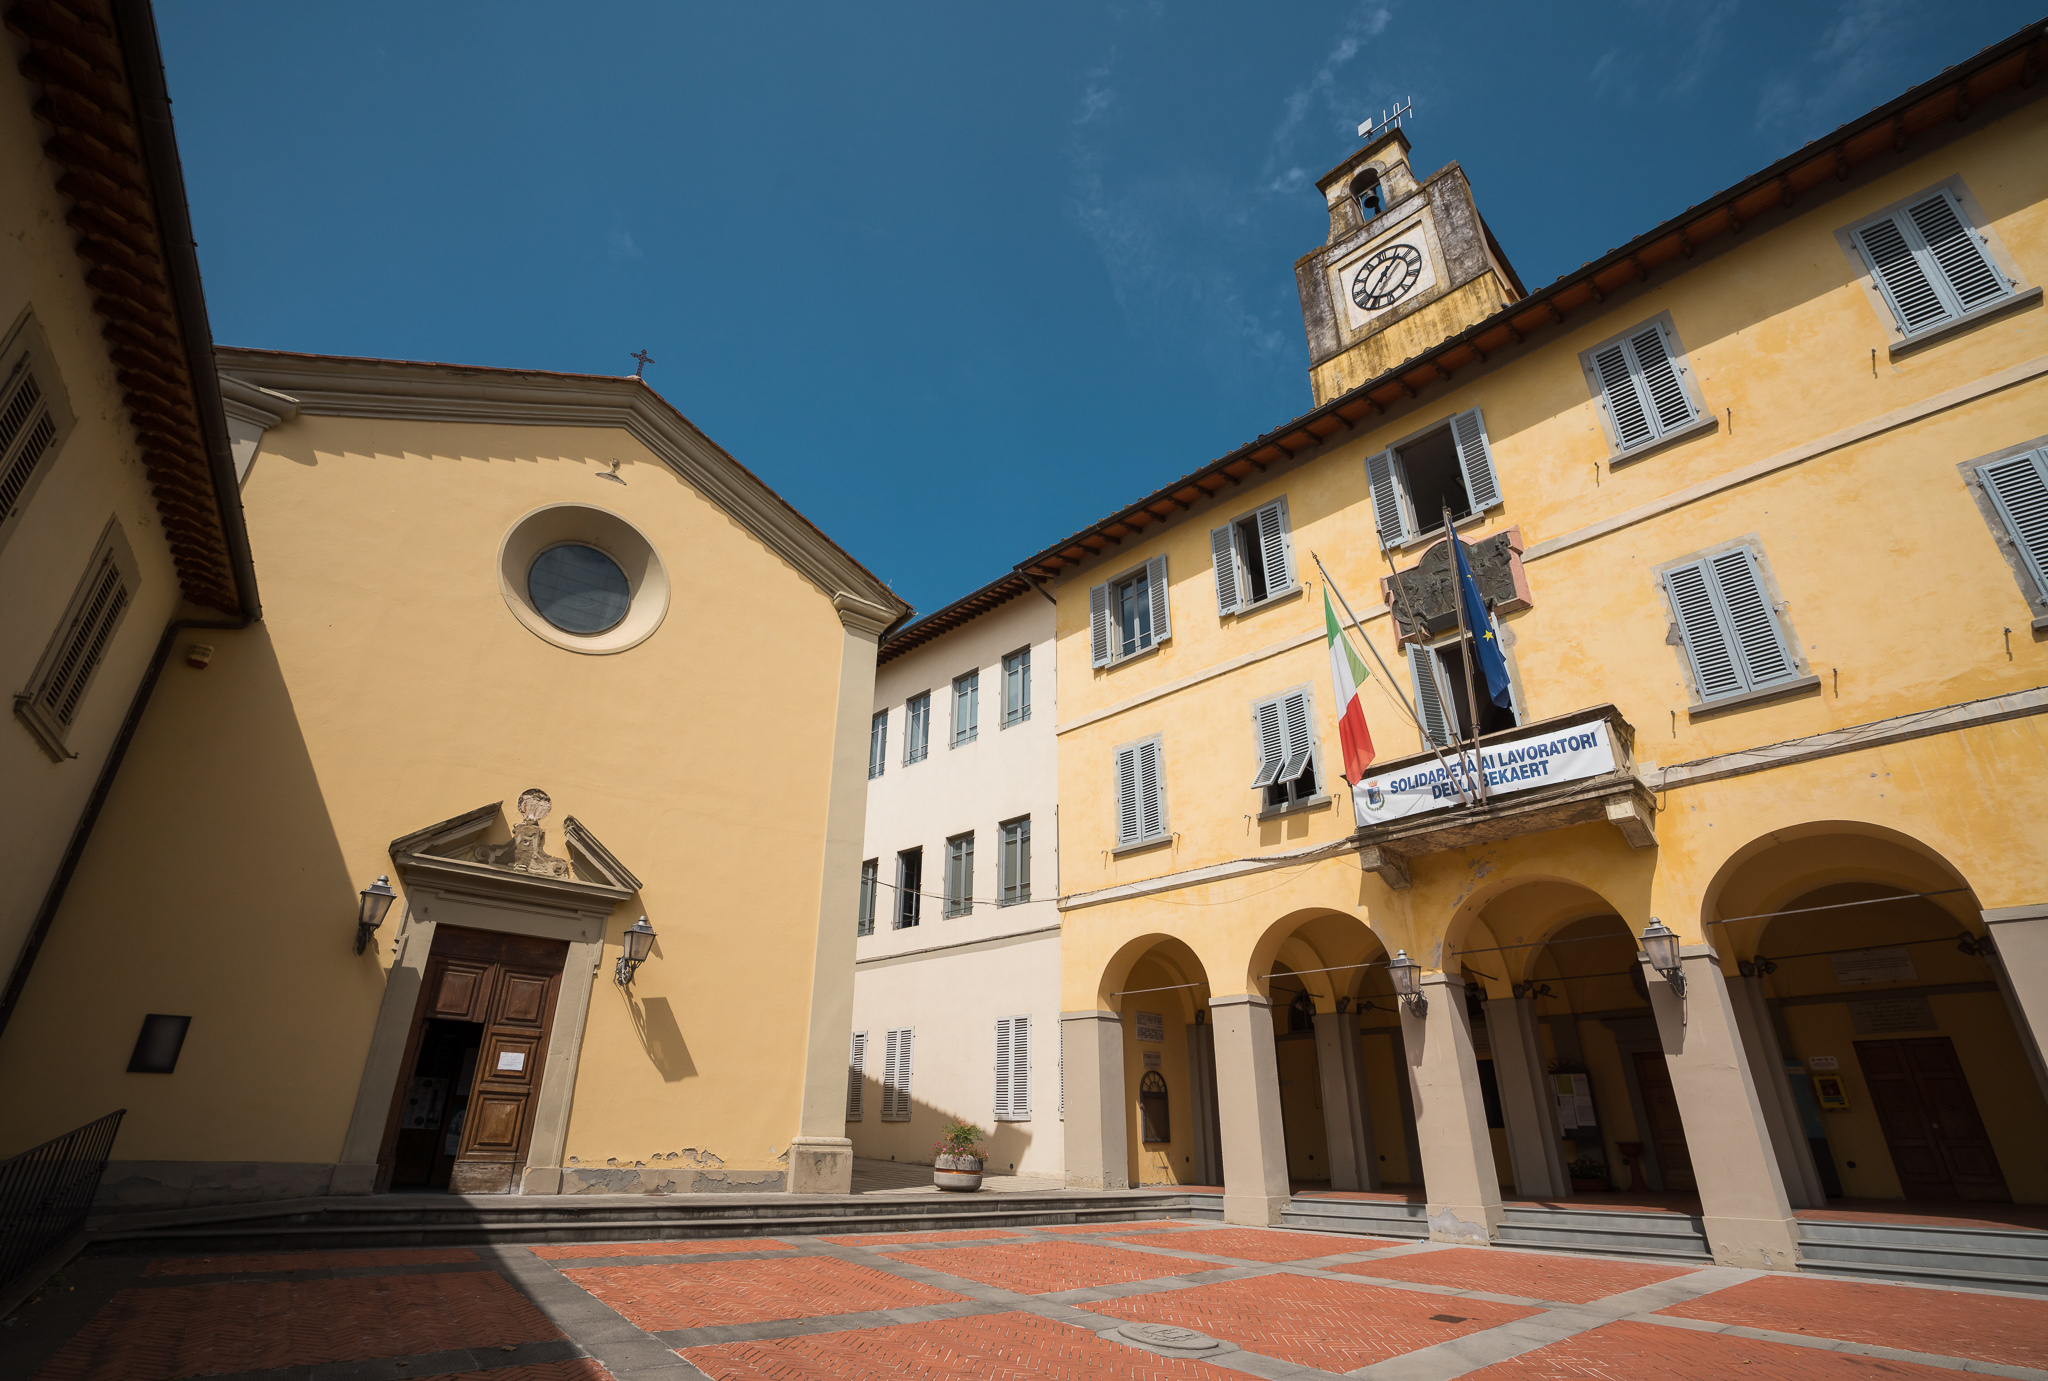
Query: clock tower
column 1407, row 263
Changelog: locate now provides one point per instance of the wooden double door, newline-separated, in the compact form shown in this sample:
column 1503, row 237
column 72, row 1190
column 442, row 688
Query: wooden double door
column 1938, row 1143
column 462, row 1116
column 1666, row 1132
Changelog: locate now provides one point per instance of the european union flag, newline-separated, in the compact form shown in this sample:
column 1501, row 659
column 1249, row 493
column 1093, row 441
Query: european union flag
column 1490, row 661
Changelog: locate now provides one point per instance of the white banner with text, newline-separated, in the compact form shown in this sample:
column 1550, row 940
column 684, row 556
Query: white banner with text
column 1568, row 755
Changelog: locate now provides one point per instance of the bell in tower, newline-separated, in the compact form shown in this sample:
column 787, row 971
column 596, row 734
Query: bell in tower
column 1407, row 263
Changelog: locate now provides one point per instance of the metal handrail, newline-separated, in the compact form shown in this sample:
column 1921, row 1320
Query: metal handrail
column 47, row 1191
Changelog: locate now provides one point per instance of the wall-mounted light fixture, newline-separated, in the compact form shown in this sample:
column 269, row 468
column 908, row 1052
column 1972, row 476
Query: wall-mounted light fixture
column 1533, row 989
column 1660, row 942
column 1752, row 968
column 639, row 942
column 1979, row 945
column 377, row 899
column 1407, row 976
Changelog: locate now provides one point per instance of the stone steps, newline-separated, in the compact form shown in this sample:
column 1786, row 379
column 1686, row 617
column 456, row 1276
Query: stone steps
column 1612, row 1232
column 1990, row 1258
column 1368, row 1217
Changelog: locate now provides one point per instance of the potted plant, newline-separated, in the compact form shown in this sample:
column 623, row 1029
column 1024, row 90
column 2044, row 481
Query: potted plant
column 1590, row 1176
column 957, row 1160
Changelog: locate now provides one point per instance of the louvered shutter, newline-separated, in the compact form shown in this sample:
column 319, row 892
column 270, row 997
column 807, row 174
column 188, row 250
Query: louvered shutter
column 2019, row 490
column 1632, row 426
column 1155, row 587
column 1699, row 628
column 1003, row 1082
column 1266, row 721
column 1020, row 1068
column 1424, row 675
column 1063, row 1070
column 1126, row 796
column 85, row 644
column 1901, row 275
column 856, row 1075
column 26, row 431
column 1151, row 796
column 1276, row 547
column 1098, row 624
column 1389, row 508
column 1475, row 458
column 1300, row 742
column 1752, row 623
column 896, row 1062
column 1958, row 252
column 1669, row 405
column 1930, row 264
column 1223, row 553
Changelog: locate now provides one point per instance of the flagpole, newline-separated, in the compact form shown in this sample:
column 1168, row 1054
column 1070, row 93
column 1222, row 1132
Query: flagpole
column 1392, row 681
column 1471, row 651
column 1395, row 602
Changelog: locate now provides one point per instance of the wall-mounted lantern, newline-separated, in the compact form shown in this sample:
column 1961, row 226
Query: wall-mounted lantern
column 1407, row 976
column 1660, row 943
column 377, row 899
column 639, row 942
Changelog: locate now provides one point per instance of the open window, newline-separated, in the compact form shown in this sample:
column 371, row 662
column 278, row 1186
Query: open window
column 1254, row 557
column 1128, row 615
column 1285, row 729
column 1449, row 465
column 1437, row 674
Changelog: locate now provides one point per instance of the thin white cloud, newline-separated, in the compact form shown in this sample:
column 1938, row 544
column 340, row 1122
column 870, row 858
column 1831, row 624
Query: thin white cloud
column 619, row 247
column 1852, row 54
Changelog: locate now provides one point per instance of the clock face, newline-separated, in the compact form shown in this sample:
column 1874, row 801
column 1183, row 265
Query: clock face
column 1386, row 277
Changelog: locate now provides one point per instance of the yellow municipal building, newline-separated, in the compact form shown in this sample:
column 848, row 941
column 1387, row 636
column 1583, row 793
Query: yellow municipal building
column 378, row 773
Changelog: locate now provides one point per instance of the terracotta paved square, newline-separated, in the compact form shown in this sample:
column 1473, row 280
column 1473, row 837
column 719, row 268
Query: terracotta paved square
column 569, row 1251
column 198, row 1330
column 306, row 1261
column 1567, row 1279
column 1986, row 1328
column 1622, row 1351
column 698, row 1294
column 1255, row 1244
column 1044, row 1268
column 575, row 1369
column 905, row 1239
column 1330, row 1324
column 1160, row 1226
column 970, row 1349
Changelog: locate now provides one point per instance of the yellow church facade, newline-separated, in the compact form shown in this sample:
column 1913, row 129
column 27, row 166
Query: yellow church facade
column 1759, row 503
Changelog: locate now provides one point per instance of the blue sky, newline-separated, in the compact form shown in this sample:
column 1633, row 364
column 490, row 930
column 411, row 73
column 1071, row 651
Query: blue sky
column 956, row 281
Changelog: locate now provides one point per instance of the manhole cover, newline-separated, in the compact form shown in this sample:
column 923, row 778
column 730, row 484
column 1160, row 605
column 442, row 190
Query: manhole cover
column 1450, row 1318
column 1165, row 1337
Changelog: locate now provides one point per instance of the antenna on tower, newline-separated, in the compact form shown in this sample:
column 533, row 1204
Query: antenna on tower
column 1387, row 118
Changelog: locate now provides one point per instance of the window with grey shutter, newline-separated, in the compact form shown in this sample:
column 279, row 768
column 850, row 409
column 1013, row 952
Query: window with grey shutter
column 1140, row 794
column 1730, row 631
column 856, row 1075
column 1017, row 687
column 1389, row 504
column 1475, row 459
column 966, row 708
column 896, row 1071
column 28, row 436
column 1641, row 383
column 1432, row 694
column 960, row 874
column 1016, row 863
column 870, row 875
column 1929, row 263
column 1446, row 466
column 1129, row 614
column 917, row 728
column 1254, row 557
column 878, row 743
column 57, row 691
column 1283, row 728
column 2019, row 491
column 1013, row 1069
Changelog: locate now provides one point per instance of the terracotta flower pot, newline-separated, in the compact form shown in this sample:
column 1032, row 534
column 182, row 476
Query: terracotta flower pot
column 961, row 1173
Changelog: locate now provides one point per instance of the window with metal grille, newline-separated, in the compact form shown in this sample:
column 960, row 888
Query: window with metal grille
column 1140, row 794
column 966, row 707
column 1254, row 558
column 1155, row 1121
column 896, row 1069
column 870, row 875
column 1017, row 687
column 1013, row 1069
column 1644, row 383
column 1413, row 481
column 1283, row 732
column 909, row 878
column 57, row 693
column 2018, row 487
column 878, row 743
column 856, row 1075
column 1930, row 264
column 917, row 728
column 1016, row 869
column 1728, row 625
column 960, row 874
column 1128, row 615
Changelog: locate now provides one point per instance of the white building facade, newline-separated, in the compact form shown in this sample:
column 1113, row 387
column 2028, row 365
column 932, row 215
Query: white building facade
column 956, row 980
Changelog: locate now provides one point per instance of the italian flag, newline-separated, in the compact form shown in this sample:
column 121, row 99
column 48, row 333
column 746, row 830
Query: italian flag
column 1347, row 673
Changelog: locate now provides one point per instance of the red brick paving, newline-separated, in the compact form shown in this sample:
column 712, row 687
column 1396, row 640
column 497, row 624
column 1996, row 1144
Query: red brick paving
column 306, row 1261
column 562, row 1251
column 1159, row 1226
column 575, row 1369
column 1330, row 1324
column 970, row 1349
column 1986, row 1328
column 904, row 1239
column 1622, row 1351
column 196, row 1330
column 1258, row 1244
column 1044, row 1268
column 1568, row 1279
column 698, row 1294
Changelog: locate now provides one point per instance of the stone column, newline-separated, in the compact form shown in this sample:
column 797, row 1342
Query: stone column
column 1742, row 1196
column 1255, row 1186
column 1343, row 1115
column 1450, row 1117
column 1526, row 1102
column 1098, row 1138
column 1774, row 1091
column 1202, row 1117
column 2019, row 934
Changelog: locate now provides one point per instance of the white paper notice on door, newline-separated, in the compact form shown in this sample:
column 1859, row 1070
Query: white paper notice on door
column 512, row 1059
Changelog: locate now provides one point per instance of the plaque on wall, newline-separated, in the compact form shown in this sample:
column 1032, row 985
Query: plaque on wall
column 1893, row 965
column 1880, row 1016
column 1151, row 1059
column 1151, row 1026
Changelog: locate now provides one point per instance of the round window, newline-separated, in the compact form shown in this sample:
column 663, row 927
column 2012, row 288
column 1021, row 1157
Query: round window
column 578, row 589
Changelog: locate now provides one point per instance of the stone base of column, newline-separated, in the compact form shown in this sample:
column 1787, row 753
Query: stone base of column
column 1467, row 1225
column 1254, row 1210
column 1757, row 1244
column 821, row 1165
